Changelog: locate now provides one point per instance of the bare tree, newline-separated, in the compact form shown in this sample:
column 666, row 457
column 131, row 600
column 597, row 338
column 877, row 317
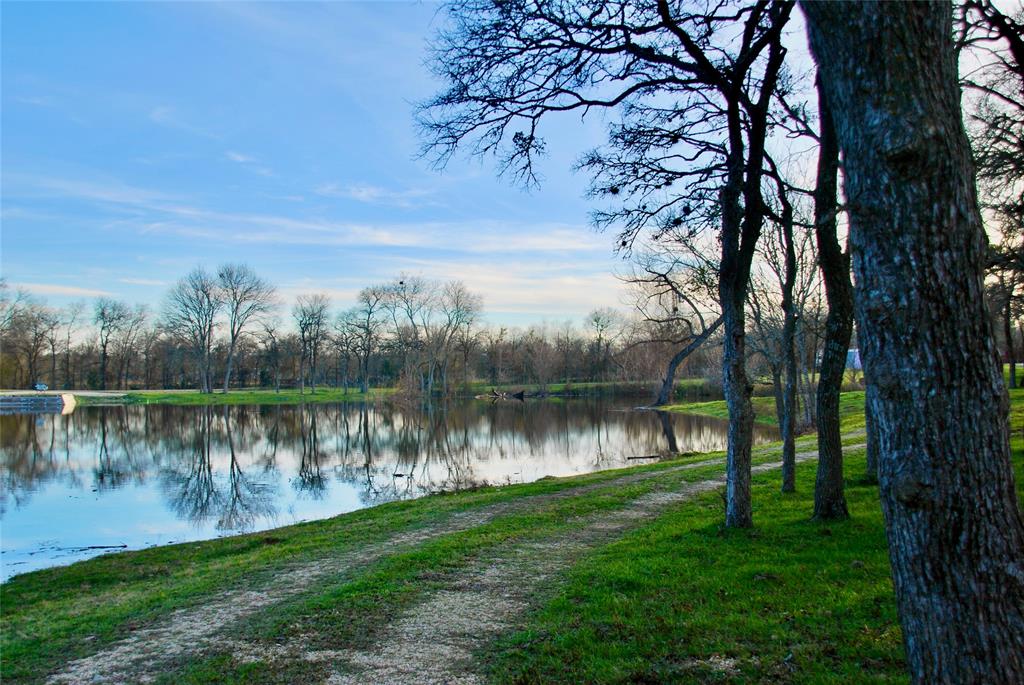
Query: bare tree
column 246, row 297
column 368, row 321
column 69, row 320
column 310, row 314
column 272, row 352
column 190, row 312
column 936, row 392
column 110, row 316
column 459, row 311
column 675, row 292
column 125, row 340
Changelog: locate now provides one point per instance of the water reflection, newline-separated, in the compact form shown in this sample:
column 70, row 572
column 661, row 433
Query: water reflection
column 149, row 475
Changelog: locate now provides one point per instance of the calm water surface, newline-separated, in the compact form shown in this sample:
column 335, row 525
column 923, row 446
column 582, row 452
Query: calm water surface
column 74, row 486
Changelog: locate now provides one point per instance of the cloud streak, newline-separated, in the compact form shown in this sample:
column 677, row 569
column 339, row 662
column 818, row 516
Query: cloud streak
column 156, row 212
column 57, row 289
column 375, row 195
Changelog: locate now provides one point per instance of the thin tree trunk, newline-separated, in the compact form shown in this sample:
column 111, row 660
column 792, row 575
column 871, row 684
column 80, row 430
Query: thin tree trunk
column 787, row 421
column 829, row 498
column 956, row 534
column 231, row 360
column 1008, row 333
column 53, row 366
column 668, row 383
column 103, row 367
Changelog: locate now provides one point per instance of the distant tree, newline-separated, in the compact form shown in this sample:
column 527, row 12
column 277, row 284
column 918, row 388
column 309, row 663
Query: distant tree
column 310, row 314
column 936, row 395
column 246, row 297
column 70, row 320
column 36, row 324
column 367, row 319
column 10, row 304
column 126, row 339
column 110, row 316
column 603, row 323
column 272, row 352
column 190, row 313
column 459, row 310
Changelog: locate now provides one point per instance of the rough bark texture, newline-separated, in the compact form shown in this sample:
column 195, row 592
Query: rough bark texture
column 956, row 536
column 829, row 500
column 732, row 288
column 872, row 435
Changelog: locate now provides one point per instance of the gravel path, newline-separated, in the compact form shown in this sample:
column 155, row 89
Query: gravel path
column 434, row 642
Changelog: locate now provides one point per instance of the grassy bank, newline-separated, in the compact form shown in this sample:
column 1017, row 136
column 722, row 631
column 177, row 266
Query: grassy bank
column 851, row 410
column 193, row 398
column 677, row 599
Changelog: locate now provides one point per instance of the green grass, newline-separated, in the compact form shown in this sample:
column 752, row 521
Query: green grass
column 684, row 600
column 851, row 410
column 191, row 398
column 587, row 388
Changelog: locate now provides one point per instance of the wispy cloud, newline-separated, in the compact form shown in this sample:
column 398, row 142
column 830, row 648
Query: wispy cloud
column 142, row 281
column 239, row 157
column 249, row 163
column 156, row 212
column 168, row 117
column 106, row 191
column 36, row 100
column 376, row 195
column 57, row 289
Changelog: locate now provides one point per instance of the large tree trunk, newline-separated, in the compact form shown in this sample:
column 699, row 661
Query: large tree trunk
column 956, row 535
column 829, row 500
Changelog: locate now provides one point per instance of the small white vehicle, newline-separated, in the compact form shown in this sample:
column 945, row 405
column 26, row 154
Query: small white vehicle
column 40, row 387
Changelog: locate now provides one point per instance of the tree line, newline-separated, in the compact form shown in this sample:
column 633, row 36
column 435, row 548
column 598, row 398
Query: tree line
column 229, row 329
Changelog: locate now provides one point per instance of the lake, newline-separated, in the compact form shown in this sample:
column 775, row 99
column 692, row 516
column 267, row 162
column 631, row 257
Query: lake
column 128, row 477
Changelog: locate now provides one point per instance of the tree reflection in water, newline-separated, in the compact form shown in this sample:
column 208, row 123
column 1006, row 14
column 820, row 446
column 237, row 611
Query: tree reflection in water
column 223, row 467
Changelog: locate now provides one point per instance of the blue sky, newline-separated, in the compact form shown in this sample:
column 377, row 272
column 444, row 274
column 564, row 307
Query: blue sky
column 141, row 139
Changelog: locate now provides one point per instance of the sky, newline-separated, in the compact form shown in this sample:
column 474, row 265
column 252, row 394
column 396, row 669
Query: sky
column 142, row 139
